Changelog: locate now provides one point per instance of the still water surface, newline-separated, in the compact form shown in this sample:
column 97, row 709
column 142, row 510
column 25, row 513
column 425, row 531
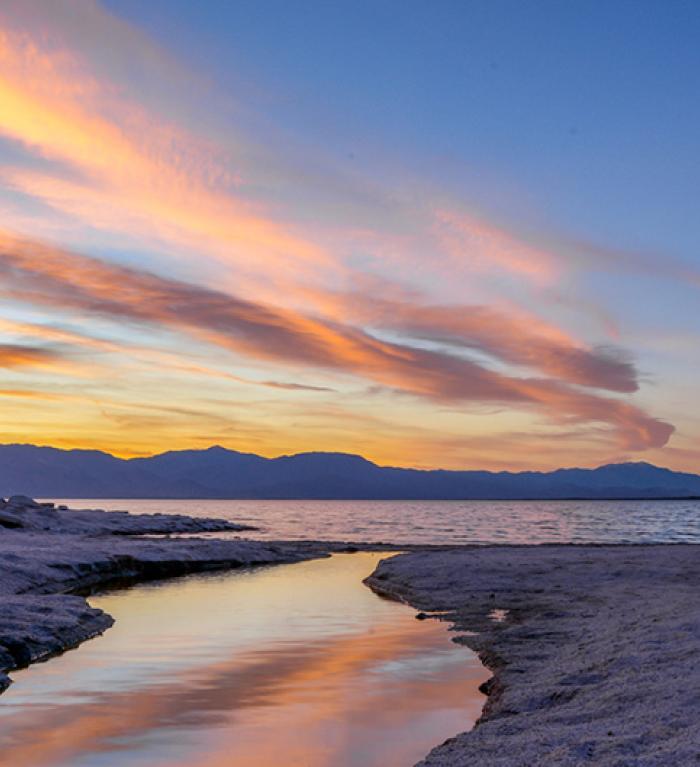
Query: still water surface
column 446, row 521
column 289, row 665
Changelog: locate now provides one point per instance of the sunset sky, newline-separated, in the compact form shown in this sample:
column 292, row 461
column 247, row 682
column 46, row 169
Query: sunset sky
column 454, row 233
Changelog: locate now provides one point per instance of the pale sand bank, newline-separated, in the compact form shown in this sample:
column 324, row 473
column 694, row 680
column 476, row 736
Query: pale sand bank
column 597, row 661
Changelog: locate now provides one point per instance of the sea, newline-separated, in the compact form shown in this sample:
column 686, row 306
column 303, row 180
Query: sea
column 442, row 522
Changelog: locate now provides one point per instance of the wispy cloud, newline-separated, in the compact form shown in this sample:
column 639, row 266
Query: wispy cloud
column 125, row 165
column 306, row 274
column 483, row 247
column 18, row 356
column 52, row 277
column 514, row 336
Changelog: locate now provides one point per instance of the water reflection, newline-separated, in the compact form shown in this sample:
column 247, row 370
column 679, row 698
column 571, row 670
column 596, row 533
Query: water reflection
column 294, row 665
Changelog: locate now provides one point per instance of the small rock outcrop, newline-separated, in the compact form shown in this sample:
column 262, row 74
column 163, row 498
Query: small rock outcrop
column 24, row 502
column 10, row 520
column 20, row 511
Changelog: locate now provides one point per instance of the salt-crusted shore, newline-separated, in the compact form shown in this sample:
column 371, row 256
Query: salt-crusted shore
column 47, row 554
column 22, row 513
column 596, row 662
column 595, row 649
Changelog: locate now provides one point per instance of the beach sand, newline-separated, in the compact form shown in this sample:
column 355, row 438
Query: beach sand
column 595, row 649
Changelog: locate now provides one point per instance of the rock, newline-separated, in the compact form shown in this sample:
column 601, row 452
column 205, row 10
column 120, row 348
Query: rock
column 23, row 501
column 61, row 519
column 486, row 687
column 10, row 521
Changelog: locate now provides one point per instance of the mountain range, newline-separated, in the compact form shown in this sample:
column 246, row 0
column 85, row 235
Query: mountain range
column 46, row 472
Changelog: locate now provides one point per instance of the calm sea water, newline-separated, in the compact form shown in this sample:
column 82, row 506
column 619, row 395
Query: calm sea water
column 297, row 665
column 445, row 521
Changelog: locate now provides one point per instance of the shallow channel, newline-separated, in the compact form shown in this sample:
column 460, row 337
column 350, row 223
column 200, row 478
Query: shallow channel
column 294, row 664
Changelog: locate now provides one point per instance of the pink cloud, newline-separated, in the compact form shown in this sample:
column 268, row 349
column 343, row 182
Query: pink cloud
column 48, row 276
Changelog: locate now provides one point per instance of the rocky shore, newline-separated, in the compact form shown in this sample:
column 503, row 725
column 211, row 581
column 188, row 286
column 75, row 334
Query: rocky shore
column 22, row 513
column 595, row 650
column 49, row 555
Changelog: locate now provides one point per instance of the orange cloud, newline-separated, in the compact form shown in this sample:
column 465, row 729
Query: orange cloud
column 125, row 164
column 18, row 356
column 477, row 245
column 145, row 354
column 111, row 160
column 514, row 337
column 44, row 275
column 32, row 394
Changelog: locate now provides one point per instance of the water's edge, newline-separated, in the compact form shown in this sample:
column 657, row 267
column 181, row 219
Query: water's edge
column 38, row 624
column 442, row 522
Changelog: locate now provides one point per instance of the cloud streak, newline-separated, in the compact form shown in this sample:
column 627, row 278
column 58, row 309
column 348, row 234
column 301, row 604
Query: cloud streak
column 17, row 356
column 312, row 267
column 57, row 278
column 115, row 162
column 515, row 337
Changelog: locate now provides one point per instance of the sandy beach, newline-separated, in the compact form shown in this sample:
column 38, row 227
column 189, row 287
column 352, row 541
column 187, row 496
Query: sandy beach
column 594, row 649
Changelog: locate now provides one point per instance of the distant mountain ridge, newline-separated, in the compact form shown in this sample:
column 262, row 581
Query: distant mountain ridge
column 216, row 472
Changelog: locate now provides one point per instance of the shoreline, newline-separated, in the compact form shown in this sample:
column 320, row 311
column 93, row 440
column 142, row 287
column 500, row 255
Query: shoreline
column 49, row 556
column 52, row 557
column 50, row 616
column 593, row 649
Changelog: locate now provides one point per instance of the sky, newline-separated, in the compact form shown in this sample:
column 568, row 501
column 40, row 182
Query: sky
column 449, row 234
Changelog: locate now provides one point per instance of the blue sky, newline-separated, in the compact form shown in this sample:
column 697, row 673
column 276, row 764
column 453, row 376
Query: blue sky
column 588, row 110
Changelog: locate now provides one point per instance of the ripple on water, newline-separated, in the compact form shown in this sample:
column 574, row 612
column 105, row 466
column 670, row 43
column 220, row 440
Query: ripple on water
column 447, row 521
